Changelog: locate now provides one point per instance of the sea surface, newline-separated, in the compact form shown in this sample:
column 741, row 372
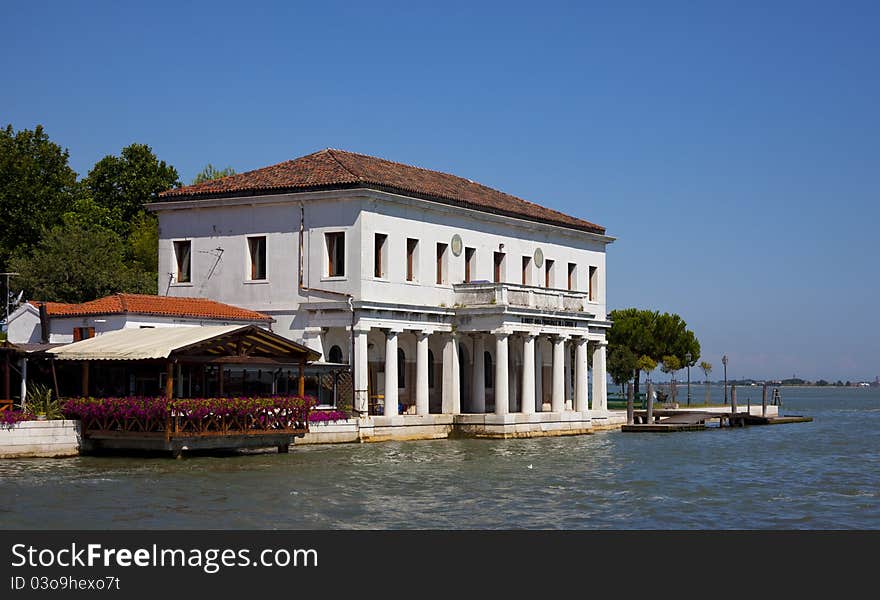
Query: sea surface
column 819, row 475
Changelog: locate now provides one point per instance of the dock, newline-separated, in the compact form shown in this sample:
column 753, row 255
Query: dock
column 672, row 420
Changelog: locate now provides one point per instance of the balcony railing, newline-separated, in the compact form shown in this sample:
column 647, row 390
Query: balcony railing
column 511, row 294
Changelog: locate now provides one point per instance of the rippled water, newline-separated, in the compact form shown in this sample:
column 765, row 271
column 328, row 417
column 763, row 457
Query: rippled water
column 819, row 475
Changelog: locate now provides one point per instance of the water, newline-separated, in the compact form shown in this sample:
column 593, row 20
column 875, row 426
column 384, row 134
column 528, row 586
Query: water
column 819, row 475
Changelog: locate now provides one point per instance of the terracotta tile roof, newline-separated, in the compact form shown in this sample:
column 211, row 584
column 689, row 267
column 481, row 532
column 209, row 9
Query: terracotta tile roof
column 166, row 306
column 338, row 169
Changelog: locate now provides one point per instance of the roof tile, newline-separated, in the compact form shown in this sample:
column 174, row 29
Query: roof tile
column 143, row 304
column 335, row 169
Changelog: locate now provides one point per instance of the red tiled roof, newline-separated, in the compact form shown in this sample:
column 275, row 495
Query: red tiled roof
column 166, row 306
column 338, row 169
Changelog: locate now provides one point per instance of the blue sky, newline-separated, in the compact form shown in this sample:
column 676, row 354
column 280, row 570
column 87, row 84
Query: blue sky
column 732, row 147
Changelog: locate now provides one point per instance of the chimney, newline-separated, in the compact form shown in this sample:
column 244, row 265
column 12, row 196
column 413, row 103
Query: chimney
column 44, row 324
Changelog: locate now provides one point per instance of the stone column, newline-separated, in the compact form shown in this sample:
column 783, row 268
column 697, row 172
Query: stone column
column 528, row 374
column 361, row 376
column 581, row 398
column 557, row 400
column 451, row 384
column 569, row 401
column 391, row 373
column 539, row 376
column 478, row 382
column 501, row 398
column 600, row 399
column 422, row 373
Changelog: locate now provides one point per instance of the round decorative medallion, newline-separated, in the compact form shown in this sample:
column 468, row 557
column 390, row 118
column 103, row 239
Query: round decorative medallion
column 456, row 245
column 539, row 258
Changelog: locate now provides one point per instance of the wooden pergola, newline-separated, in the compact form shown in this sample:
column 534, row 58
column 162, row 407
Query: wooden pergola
column 195, row 347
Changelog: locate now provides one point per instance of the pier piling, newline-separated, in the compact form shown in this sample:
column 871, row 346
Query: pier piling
column 629, row 403
column 764, row 401
column 649, row 417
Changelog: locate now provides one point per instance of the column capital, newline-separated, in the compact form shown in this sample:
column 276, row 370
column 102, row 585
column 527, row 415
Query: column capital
column 501, row 333
column 601, row 343
column 423, row 333
column 362, row 329
column 393, row 330
column 559, row 337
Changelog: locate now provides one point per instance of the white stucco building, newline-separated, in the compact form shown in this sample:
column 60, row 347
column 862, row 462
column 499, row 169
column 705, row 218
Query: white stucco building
column 481, row 307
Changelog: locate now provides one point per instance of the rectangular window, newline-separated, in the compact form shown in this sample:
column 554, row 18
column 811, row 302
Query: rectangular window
column 335, row 253
column 572, row 276
column 549, row 274
column 441, row 263
column 182, row 254
column 526, row 270
column 257, row 252
column 470, row 264
column 83, row 333
column 412, row 258
column 594, row 283
column 499, row 267
column 380, row 264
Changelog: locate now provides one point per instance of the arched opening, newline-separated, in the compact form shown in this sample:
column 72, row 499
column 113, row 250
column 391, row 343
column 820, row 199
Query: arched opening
column 464, row 378
column 430, row 369
column 335, row 355
column 401, row 368
column 488, row 371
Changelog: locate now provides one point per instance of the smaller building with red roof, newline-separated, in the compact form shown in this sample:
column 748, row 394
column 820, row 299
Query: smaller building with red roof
column 37, row 322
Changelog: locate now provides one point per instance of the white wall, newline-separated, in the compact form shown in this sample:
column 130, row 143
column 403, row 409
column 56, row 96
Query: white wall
column 431, row 223
column 226, row 224
column 25, row 327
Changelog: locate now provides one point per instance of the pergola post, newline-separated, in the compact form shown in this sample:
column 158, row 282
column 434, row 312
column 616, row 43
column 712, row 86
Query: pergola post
column 85, row 379
column 302, row 378
column 169, row 380
column 6, row 390
column 220, row 381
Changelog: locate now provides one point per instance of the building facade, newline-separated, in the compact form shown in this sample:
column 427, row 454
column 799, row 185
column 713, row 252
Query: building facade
column 447, row 297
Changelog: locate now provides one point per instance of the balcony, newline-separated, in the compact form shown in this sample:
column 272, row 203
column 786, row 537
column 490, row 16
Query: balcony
column 481, row 294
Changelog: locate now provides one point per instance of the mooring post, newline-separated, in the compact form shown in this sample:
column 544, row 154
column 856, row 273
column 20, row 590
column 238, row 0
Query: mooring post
column 732, row 405
column 764, row 401
column 650, row 400
column 629, row 403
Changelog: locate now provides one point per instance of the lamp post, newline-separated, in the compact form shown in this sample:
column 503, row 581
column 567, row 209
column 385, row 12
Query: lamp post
column 724, row 362
column 688, row 357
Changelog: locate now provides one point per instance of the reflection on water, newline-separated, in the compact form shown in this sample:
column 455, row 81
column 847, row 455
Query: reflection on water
column 815, row 475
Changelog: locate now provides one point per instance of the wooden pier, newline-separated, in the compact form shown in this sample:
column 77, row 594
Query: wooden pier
column 671, row 420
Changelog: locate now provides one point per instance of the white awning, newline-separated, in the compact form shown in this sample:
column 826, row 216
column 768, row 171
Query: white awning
column 140, row 344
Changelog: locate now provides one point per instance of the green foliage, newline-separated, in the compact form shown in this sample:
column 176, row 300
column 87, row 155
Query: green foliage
column 706, row 367
column 209, row 173
column 36, row 185
column 621, row 364
column 653, row 337
column 123, row 184
column 40, row 401
column 143, row 243
column 646, row 363
column 75, row 264
column 671, row 364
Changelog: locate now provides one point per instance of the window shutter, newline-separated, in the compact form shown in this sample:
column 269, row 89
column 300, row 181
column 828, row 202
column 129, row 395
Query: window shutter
column 77, row 334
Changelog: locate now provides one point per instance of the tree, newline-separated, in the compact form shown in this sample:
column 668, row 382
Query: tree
column 633, row 329
column 671, row 364
column 649, row 334
column 209, row 173
column 621, row 364
column 36, row 185
column 123, row 184
column 73, row 263
column 707, row 368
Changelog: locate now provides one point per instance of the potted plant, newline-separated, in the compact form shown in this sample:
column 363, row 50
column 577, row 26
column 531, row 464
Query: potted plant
column 41, row 404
